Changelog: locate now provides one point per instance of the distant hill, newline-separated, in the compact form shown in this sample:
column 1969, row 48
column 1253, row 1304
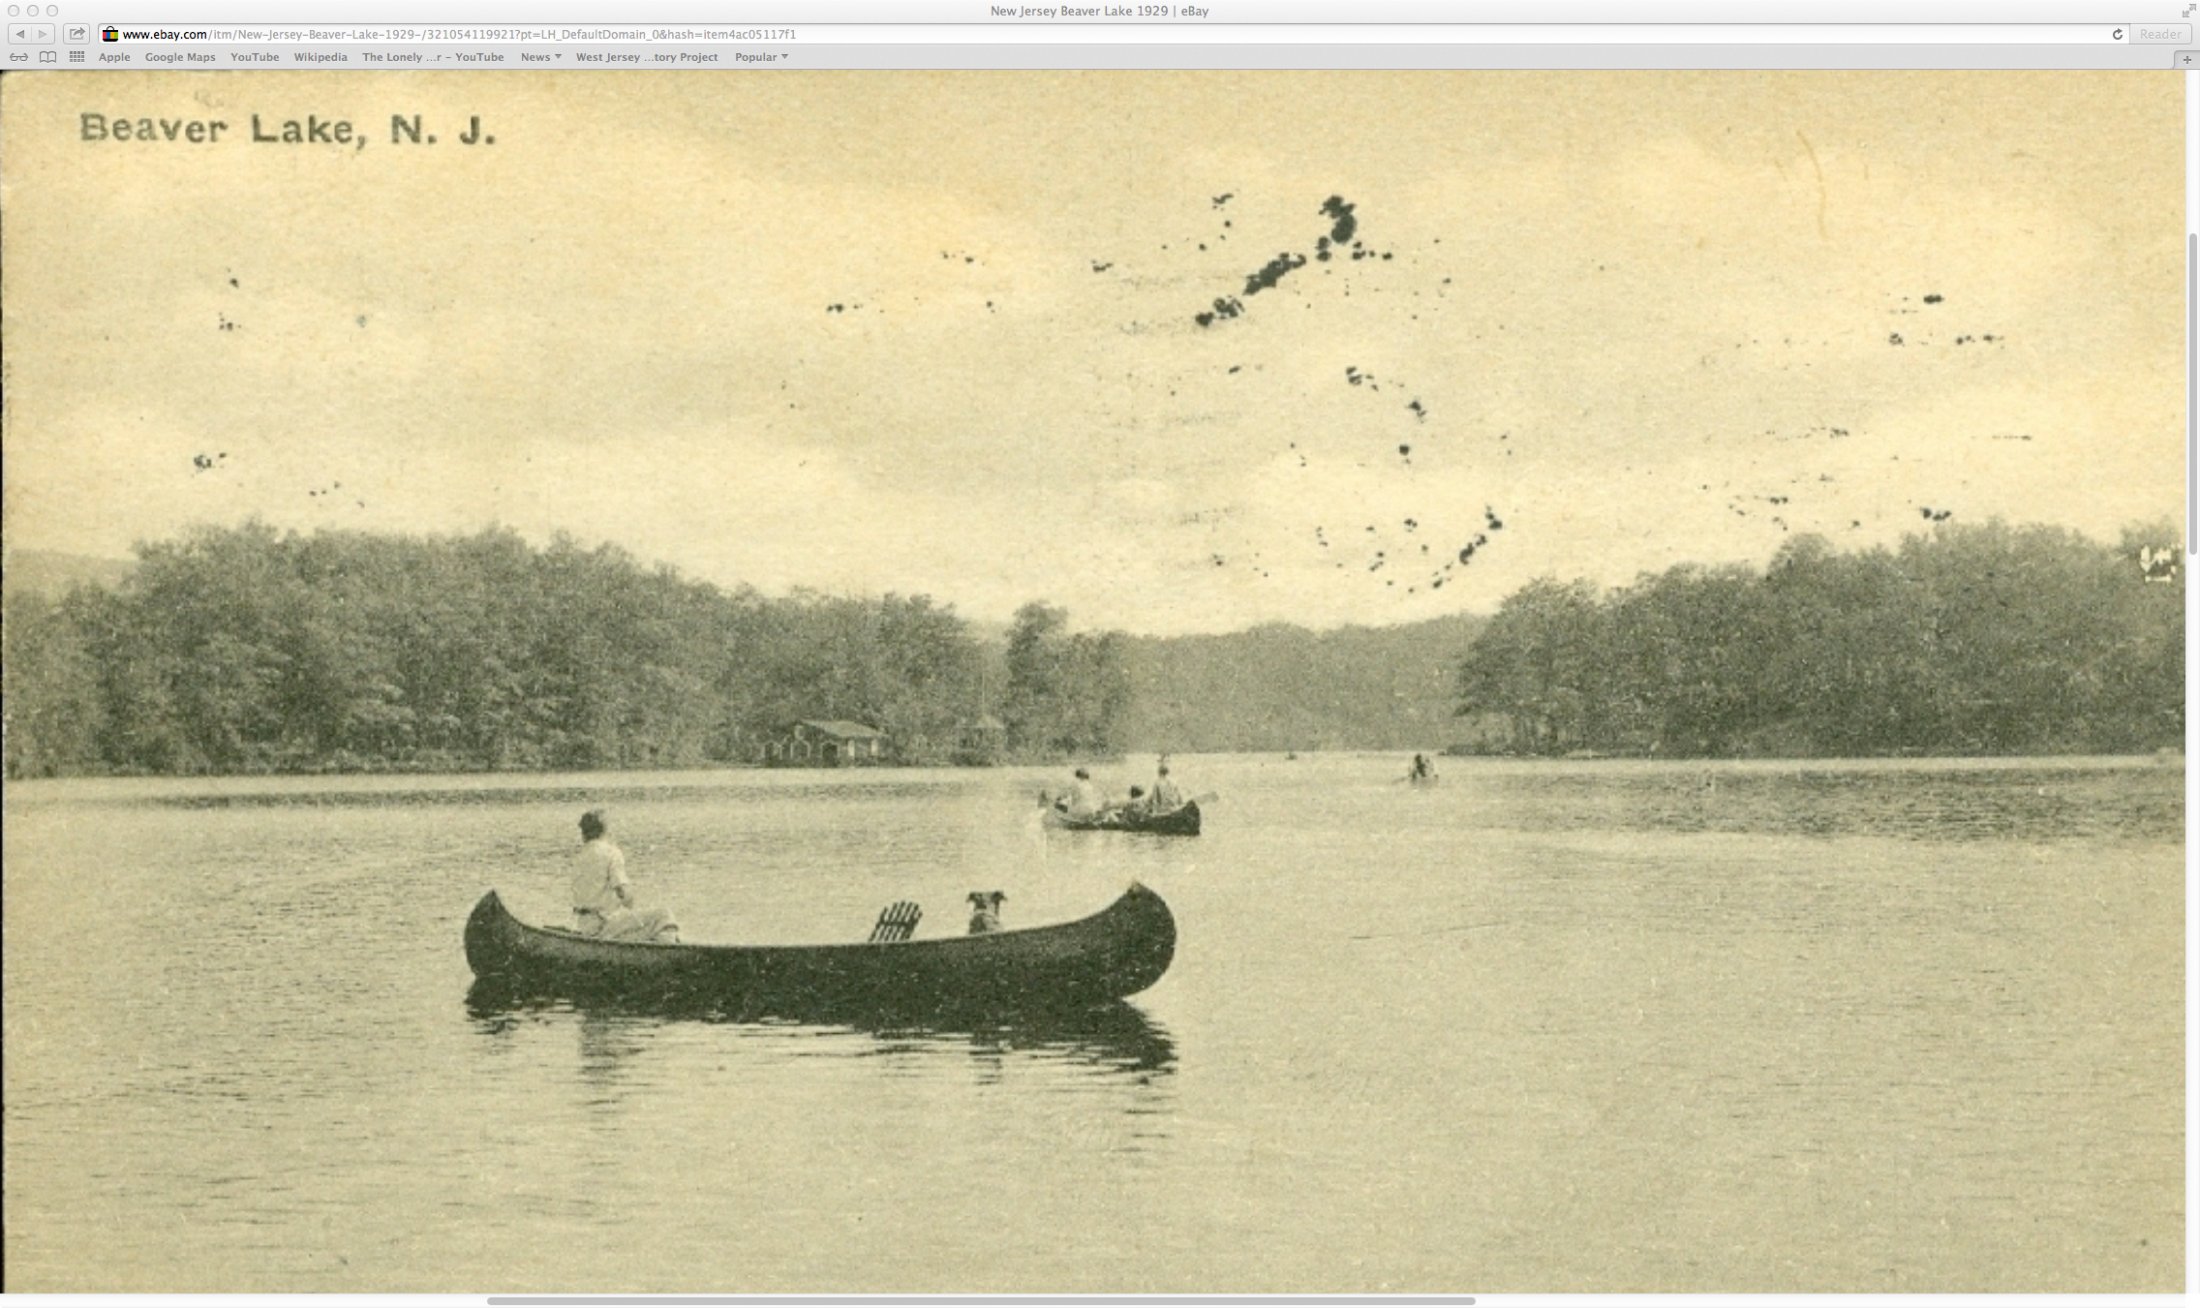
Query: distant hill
column 53, row 574
column 1280, row 687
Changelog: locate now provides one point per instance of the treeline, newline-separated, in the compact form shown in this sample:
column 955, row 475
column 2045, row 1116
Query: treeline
column 246, row 650
column 1973, row 640
column 1279, row 687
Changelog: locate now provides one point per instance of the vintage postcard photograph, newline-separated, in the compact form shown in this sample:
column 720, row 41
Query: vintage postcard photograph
column 1093, row 682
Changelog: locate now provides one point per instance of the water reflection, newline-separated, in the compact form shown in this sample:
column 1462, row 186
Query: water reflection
column 609, row 1041
column 372, row 792
column 1961, row 801
column 1116, row 1038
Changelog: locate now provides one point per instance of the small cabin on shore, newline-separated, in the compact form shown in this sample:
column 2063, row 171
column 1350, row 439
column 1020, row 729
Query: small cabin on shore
column 827, row 743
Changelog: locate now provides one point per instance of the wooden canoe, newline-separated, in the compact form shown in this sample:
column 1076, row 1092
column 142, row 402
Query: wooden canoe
column 1118, row 951
column 1176, row 822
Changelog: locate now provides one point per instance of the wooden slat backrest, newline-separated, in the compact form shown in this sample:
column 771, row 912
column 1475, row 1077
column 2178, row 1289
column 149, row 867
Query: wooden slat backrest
column 896, row 922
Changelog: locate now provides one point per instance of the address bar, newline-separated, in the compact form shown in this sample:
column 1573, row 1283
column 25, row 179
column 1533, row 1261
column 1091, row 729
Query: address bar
column 1189, row 31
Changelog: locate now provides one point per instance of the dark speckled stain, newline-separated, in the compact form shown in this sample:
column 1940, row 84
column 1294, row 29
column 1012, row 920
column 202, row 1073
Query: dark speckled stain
column 1343, row 224
column 1932, row 299
column 1273, row 271
column 1225, row 308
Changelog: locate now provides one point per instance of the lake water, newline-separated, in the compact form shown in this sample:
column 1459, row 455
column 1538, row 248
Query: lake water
column 1903, row 1026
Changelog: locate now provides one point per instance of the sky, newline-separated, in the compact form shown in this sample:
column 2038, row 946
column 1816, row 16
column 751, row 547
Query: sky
column 941, row 333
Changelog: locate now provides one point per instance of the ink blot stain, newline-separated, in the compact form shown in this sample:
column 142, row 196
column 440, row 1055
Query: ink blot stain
column 1225, row 308
column 1273, row 271
column 1342, row 223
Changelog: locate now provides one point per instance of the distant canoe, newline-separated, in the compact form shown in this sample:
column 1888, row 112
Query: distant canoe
column 1118, row 951
column 1176, row 822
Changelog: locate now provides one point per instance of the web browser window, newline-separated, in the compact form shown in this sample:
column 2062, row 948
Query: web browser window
column 959, row 648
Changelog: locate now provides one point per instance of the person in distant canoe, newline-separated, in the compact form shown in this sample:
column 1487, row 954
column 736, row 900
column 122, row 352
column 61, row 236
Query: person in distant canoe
column 603, row 899
column 1166, row 798
column 1423, row 770
column 1137, row 806
column 1085, row 798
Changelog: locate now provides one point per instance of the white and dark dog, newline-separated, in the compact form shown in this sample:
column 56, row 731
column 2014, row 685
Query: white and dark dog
column 985, row 911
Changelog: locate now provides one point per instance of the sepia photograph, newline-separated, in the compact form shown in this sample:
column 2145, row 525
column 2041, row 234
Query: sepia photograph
column 1072, row 682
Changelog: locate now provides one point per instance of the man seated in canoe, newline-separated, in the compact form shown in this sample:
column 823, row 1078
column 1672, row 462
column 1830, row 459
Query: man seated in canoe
column 1166, row 798
column 603, row 899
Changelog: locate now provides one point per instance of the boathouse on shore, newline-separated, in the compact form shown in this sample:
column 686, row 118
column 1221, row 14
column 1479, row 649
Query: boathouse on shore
column 827, row 743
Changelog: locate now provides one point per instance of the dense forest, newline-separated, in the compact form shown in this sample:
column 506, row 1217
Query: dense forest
column 1971, row 640
column 1280, row 687
column 246, row 650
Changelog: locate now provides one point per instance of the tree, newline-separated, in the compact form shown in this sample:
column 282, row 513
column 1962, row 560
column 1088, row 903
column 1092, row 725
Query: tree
column 51, row 691
column 1538, row 662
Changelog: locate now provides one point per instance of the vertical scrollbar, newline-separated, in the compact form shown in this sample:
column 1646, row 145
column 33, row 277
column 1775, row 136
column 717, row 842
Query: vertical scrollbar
column 2192, row 317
